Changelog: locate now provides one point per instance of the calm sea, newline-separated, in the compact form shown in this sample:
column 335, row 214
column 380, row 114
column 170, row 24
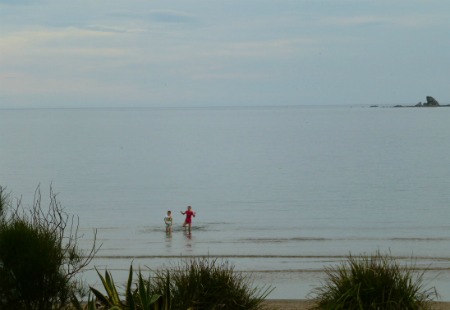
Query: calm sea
column 279, row 192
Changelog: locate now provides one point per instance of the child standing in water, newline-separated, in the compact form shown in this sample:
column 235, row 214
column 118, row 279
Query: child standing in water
column 188, row 221
column 168, row 222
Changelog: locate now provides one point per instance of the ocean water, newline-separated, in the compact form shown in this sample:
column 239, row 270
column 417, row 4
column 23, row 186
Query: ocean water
column 279, row 192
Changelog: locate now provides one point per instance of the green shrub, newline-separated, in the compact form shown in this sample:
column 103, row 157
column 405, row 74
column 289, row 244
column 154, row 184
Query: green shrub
column 30, row 273
column 39, row 257
column 206, row 284
column 373, row 282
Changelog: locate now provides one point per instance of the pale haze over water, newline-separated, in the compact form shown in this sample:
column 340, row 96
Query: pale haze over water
column 281, row 192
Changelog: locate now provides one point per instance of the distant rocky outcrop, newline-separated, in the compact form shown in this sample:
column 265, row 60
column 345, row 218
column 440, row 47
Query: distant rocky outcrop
column 431, row 102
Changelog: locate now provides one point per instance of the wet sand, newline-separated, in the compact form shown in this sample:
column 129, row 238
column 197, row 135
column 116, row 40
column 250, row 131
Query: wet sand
column 296, row 304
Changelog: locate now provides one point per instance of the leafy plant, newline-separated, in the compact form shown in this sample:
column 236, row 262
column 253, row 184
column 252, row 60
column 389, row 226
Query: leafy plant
column 141, row 298
column 207, row 284
column 373, row 282
column 147, row 300
column 112, row 297
column 39, row 256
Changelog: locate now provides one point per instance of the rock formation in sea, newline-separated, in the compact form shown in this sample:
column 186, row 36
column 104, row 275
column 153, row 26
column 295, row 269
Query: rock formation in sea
column 431, row 102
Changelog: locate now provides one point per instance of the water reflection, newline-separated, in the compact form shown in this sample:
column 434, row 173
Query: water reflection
column 168, row 240
column 188, row 238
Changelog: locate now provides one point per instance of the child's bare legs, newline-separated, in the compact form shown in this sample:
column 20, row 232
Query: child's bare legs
column 188, row 226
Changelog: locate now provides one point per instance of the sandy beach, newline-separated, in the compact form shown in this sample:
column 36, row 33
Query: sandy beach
column 287, row 304
column 297, row 304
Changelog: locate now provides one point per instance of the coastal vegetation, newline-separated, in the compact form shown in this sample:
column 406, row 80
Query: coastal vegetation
column 206, row 283
column 140, row 297
column 200, row 284
column 39, row 255
column 373, row 282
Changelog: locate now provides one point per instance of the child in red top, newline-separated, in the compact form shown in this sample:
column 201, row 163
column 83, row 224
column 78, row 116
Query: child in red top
column 188, row 221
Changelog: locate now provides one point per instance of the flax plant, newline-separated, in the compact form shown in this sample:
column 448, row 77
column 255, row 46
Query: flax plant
column 139, row 298
column 373, row 282
column 205, row 284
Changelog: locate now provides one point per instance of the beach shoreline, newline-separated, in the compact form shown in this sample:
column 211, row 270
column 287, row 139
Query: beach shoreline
column 302, row 304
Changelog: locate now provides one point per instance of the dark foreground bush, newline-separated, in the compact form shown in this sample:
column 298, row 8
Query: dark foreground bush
column 207, row 284
column 30, row 275
column 39, row 256
column 373, row 282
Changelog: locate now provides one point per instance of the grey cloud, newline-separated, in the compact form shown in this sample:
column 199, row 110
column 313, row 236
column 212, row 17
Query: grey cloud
column 17, row 2
column 113, row 29
column 170, row 17
column 160, row 16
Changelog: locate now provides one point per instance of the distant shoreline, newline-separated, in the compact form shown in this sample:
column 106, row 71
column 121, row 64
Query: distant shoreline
column 410, row 106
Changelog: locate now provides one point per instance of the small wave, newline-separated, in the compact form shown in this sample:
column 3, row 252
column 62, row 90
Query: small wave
column 276, row 240
column 217, row 256
column 419, row 239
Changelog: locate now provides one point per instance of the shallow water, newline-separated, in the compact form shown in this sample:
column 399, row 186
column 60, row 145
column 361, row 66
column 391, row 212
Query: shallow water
column 279, row 192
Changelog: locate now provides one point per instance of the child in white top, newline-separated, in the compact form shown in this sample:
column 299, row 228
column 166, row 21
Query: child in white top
column 168, row 221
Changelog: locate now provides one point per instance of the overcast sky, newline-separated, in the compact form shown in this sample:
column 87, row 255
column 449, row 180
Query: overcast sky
column 177, row 53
